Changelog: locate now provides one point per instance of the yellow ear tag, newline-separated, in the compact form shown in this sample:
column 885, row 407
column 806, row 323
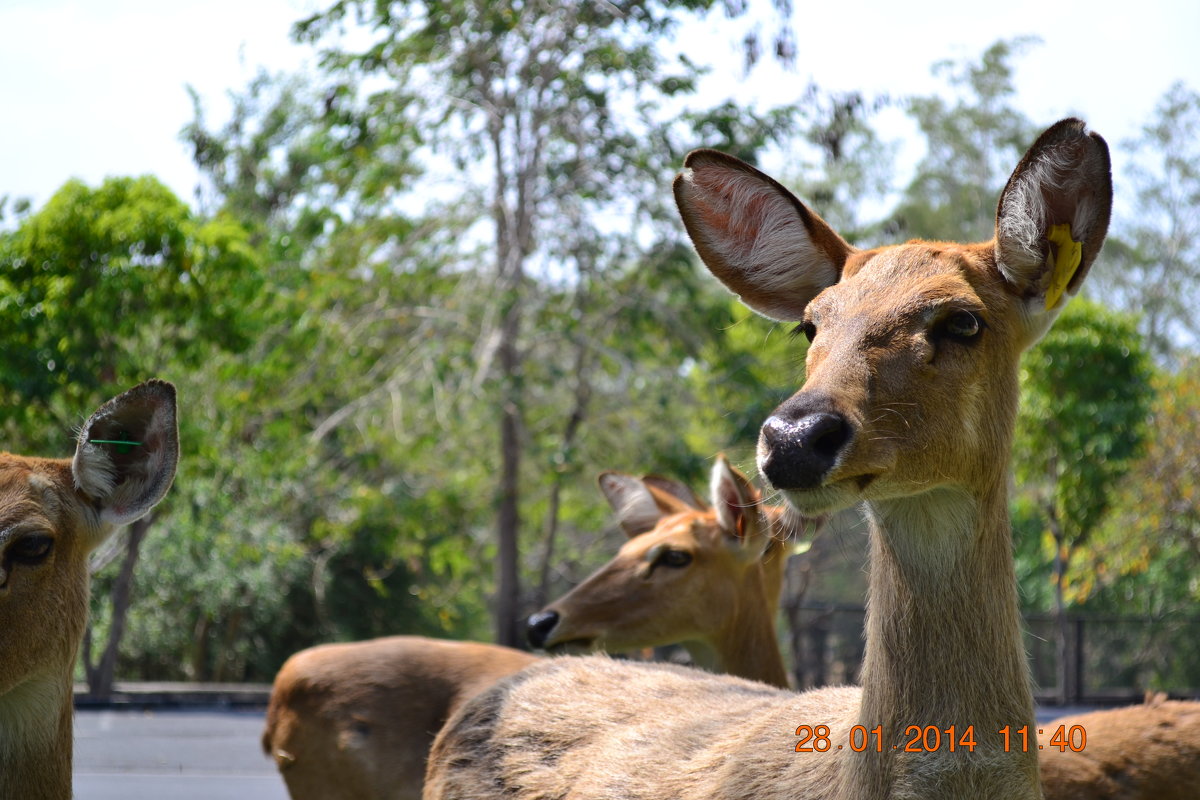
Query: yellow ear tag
column 1068, row 255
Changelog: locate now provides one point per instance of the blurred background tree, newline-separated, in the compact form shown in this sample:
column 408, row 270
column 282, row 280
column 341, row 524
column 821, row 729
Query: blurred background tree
column 1152, row 266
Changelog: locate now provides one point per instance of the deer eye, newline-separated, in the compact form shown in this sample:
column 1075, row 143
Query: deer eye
column 673, row 558
column 960, row 325
column 32, row 549
column 809, row 330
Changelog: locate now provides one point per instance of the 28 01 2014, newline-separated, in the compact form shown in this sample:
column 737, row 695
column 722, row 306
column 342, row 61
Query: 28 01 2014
column 932, row 739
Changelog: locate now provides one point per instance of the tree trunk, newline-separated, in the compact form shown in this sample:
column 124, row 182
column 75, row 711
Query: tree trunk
column 100, row 676
column 508, row 586
column 509, row 277
column 583, row 395
column 1062, row 644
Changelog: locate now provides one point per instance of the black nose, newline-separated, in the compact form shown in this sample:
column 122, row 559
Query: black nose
column 538, row 627
column 797, row 454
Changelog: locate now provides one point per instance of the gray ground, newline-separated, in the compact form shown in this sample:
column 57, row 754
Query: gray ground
column 172, row 755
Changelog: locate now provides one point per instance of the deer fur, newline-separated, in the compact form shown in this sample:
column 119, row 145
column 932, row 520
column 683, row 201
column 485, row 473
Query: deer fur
column 53, row 514
column 1144, row 752
column 356, row 721
column 907, row 409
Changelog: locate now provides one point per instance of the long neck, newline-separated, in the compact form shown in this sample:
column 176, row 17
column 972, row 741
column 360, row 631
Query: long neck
column 36, row 739
column 746, row 645
column 944, row 649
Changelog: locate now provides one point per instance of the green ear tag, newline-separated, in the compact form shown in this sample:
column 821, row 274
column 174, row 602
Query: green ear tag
column 1068, row 255
column 123, row 445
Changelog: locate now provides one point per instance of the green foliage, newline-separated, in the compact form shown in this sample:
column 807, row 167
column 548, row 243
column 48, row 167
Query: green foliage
column 739, row 377
column 1147, row 554
column 100, row 284
column 1085, row 396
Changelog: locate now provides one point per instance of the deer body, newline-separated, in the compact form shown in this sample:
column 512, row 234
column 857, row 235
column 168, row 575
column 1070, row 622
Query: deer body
column 53, row 514
column 907, row 410
column 1146, row 752
column 356, row 721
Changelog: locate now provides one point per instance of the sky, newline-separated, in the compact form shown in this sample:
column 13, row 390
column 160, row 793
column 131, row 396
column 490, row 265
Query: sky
column 90, row 89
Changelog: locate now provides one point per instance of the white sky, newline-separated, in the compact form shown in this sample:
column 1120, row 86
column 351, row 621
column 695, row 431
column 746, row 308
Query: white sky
column 90, row 89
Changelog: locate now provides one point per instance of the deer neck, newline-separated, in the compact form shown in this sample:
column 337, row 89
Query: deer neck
column 746, row 645
column 36, row 740
column 944, row 648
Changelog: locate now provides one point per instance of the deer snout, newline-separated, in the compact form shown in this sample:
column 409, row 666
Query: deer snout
column 538, row 628
column 798, row 453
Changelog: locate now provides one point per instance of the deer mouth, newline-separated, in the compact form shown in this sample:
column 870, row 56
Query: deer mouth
column 830, row 498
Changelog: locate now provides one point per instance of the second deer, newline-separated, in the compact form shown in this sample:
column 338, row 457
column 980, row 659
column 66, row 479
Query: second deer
column 907, row 409
column 708, row 578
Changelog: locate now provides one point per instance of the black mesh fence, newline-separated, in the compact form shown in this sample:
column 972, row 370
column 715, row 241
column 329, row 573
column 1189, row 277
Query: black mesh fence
column 1106, row 659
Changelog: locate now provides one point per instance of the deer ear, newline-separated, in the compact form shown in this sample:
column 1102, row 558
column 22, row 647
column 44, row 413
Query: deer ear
column 755, row 236
column 127, row 452
column 669, row 487
column 1052, row 219
column 637, row 510
column 736, row 502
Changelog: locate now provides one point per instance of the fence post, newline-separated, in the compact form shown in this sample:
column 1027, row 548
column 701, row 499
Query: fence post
column 1078, row 694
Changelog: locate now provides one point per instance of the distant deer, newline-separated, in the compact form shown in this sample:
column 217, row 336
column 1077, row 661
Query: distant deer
column 1145, row 752
column 709, row 578
column 356, row 721
column 53, row 514
column 908, row 410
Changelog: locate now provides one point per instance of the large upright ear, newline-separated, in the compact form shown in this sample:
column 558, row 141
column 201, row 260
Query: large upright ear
column 678, row 490
column 755, row 236
column 736, row 502
column 637, row 508
column 126, row 454
column 1052, row 218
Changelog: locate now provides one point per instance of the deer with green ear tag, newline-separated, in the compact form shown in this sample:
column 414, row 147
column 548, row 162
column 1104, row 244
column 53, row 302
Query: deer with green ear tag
column 53, row 514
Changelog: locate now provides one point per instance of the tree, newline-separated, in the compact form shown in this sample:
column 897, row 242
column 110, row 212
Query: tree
column 99, row 290
column 524, row 99
column 969, row 145
column 850, row 169
column 1085, row 395
column 1156, row 518
column 1153, row 266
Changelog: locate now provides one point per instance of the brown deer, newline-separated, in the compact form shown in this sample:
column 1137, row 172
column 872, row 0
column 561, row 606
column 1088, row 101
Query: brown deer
column 53, row 514
column 1145, row 752
column 708, row 578
column 907, row 409
column 356, row 721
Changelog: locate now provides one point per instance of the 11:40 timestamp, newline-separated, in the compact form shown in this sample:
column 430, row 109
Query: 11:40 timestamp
column 931, row 739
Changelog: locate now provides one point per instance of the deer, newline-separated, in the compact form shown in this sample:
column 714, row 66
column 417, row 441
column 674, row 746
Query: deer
column 53, row 513
column 356, row 720
column 709, row 578
column 906, row 411
column 1142, row 752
